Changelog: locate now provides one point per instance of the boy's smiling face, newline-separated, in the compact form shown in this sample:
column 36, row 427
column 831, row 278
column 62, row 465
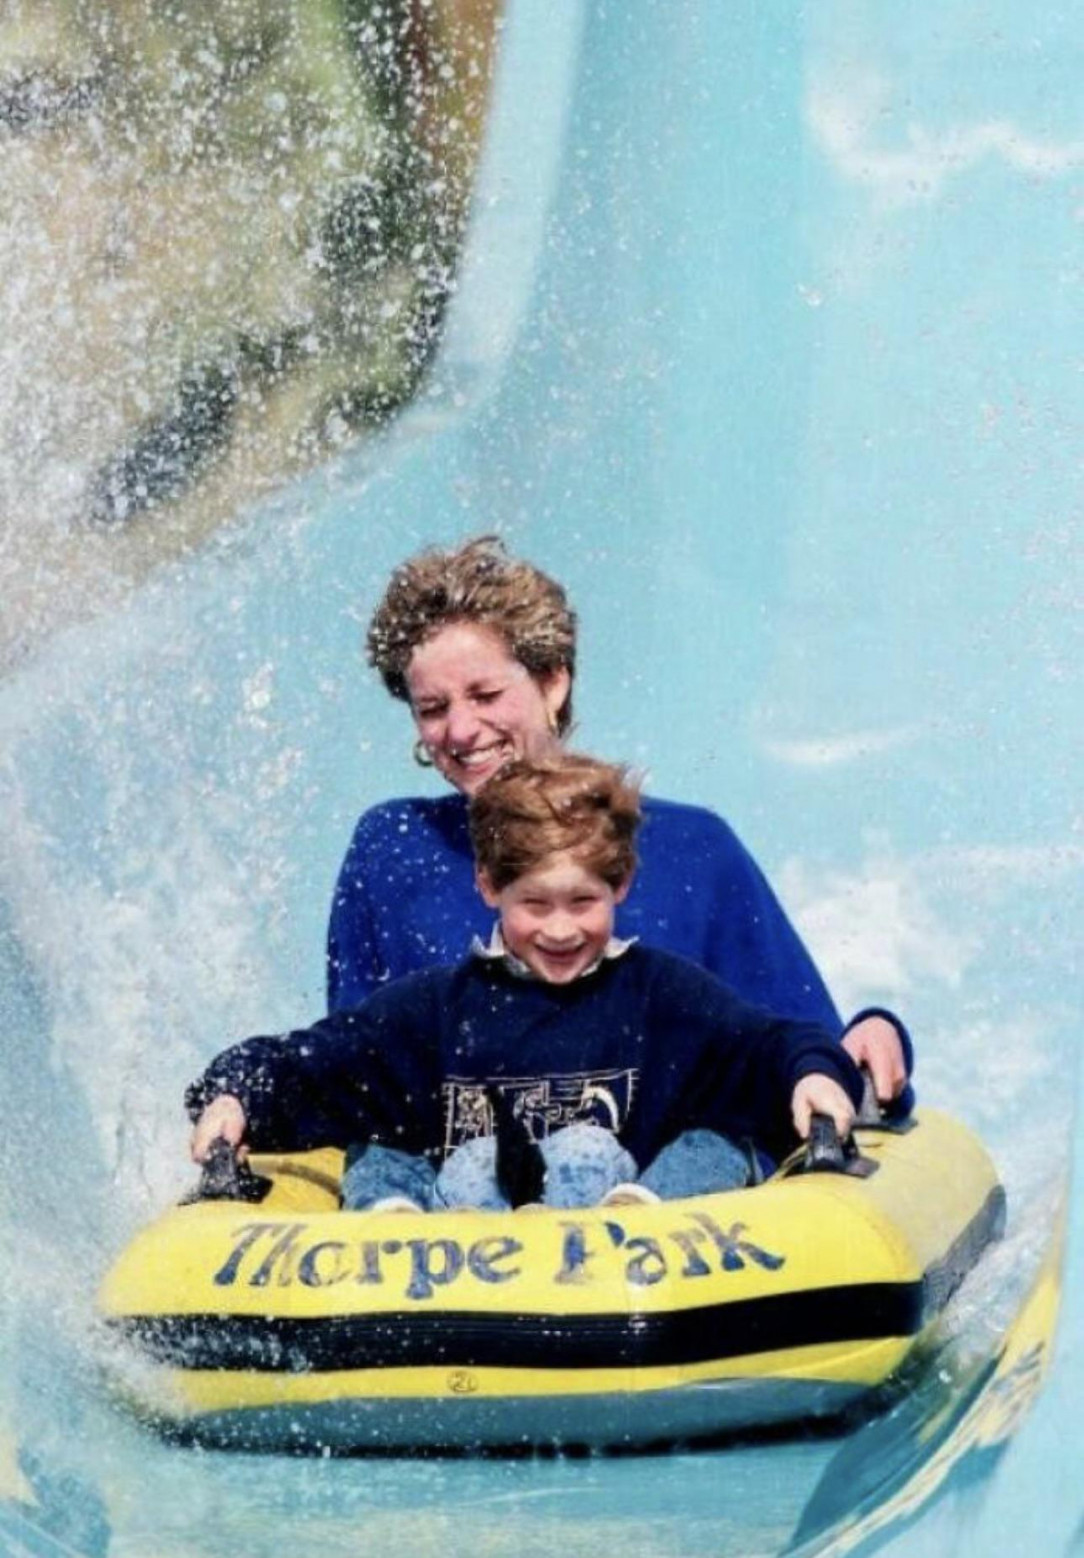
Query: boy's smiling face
column 557, row 918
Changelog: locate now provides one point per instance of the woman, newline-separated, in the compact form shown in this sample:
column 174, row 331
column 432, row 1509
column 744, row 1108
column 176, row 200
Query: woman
column 483, row 646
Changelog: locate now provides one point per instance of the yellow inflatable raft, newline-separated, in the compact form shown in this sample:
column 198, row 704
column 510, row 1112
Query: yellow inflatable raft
column 287, row 1322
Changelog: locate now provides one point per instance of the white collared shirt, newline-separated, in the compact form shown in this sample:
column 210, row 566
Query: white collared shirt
column 495, row 951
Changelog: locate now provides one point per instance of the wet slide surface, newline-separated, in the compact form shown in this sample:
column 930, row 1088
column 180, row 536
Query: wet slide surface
column 768, row 344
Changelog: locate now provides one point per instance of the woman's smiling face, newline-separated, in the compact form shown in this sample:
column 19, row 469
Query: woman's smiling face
column 476, row 706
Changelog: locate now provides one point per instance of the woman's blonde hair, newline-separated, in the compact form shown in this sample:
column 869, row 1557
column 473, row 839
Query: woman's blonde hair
column 478, row 583
column 567, row 803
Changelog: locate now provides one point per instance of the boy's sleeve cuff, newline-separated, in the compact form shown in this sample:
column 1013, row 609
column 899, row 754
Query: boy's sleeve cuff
column 206, row 1089
column 835, row 1063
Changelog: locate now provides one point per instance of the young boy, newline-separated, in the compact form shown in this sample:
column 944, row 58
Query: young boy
column 635, row 1072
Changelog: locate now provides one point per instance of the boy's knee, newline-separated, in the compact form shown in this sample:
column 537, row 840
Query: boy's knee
column 377, row 1173
column 469, row 1177
column 583, row 1162
column 696, row 1163
column 583, row 1143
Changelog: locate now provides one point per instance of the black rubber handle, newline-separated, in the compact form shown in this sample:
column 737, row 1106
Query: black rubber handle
column 825, row 1153
column 226, row 1177
column 870, row 1114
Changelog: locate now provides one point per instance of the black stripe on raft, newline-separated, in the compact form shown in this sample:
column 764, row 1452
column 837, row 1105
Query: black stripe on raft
column 942, row 1279
column 457, row 1338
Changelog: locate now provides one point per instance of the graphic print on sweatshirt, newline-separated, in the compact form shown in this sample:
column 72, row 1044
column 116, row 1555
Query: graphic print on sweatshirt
column 545, row 1104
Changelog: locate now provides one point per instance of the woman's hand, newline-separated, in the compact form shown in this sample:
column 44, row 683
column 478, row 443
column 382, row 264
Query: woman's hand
column 875, row 1044
column 224, row 1117
column 820, row 1094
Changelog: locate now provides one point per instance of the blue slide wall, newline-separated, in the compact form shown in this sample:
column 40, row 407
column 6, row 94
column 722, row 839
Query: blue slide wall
column 768, row 344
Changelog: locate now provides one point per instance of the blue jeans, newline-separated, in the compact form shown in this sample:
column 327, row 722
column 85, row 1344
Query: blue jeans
column 583, row 1163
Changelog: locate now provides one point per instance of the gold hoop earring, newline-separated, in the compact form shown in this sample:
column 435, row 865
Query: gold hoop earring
column 421, row 754
column 552, row 722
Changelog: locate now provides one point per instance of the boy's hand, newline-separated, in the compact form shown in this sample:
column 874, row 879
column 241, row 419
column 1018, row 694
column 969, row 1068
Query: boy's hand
column 223, row 1116
column 875, row 1044
column 820, row 1094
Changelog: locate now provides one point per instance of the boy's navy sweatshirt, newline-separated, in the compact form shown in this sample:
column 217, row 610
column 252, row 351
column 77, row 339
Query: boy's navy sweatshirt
column 648, row 1045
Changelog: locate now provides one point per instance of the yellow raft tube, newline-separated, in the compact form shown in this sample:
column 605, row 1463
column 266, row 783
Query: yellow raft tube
column 287, row 1322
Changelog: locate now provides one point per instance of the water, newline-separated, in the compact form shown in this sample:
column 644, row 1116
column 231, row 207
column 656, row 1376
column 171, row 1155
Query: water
column 765, row 344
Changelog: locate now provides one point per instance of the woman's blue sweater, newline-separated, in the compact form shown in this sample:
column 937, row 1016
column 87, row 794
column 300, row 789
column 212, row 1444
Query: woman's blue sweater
column 406, row 900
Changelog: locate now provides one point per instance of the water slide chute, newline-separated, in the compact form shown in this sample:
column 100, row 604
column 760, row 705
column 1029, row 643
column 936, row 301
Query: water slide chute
column 765, row 343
